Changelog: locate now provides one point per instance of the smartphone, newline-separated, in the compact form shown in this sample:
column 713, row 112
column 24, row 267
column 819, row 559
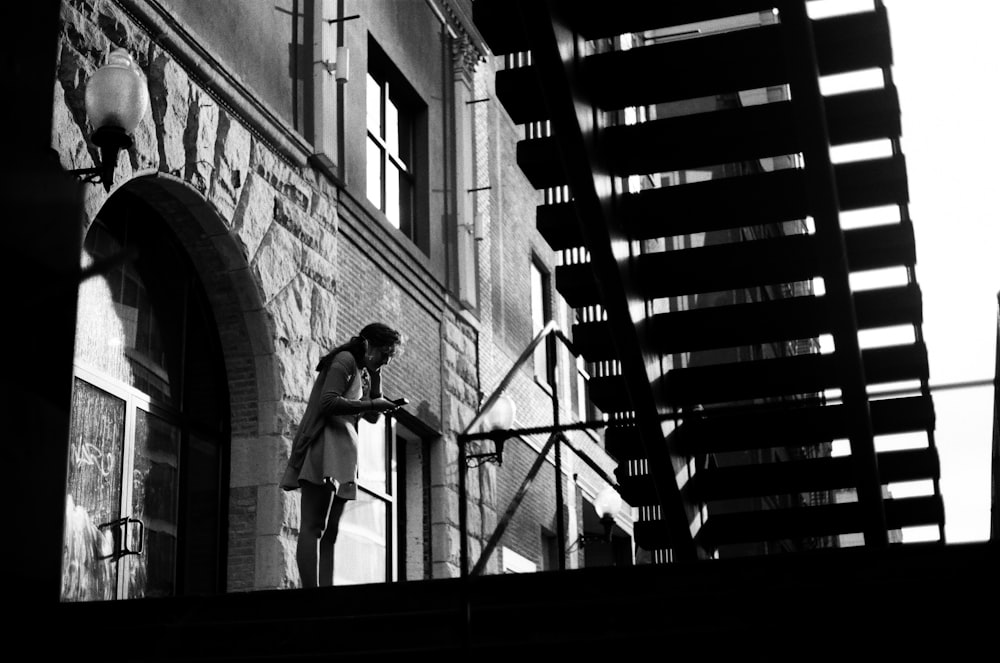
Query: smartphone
column 400, row 401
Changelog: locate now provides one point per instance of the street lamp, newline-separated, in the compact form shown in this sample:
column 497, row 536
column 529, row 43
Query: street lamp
column 116, row 99
column 501, row 415
column 607, row 504
column 496, row 426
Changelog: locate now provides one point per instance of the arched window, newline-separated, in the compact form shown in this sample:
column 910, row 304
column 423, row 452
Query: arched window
column 149, row 428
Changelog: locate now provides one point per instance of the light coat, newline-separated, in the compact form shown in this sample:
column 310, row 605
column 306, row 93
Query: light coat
column 325, row 447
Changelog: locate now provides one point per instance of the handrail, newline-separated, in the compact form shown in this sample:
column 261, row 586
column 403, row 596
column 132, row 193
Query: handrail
column 918, row 331
column 804, row 81
column 462, row 469
column 549, row 327
column 556, row 439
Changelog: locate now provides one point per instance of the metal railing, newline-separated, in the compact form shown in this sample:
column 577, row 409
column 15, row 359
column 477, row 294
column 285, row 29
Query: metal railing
column 549, row 334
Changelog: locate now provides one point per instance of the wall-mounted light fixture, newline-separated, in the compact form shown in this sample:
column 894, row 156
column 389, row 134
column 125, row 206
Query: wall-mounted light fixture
column 607, row 504
column 116, row 100
column 339, row 68
column 496, row 427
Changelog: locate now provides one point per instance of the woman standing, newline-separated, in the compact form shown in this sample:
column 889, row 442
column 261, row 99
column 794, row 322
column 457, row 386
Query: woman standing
column 324, row 460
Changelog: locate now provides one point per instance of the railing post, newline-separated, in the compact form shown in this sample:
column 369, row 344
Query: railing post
column 463, row 516
column 552, row 369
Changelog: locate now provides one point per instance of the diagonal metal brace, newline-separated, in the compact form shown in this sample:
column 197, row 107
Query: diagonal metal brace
column 514, row 504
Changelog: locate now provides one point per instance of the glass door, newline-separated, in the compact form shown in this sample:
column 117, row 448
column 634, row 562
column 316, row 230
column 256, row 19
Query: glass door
column 120, row 538
column 149, row 430
column 93, row 494
column 155, row 479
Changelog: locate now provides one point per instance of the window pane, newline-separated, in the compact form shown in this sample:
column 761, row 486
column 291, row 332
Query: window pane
column 538, row 319
column 565, row 359
column 360, row 551
column 392, row 195
column 537, row 300
column 117, row 331
column 374, row 169
column 391, row 127
column 405, row 194
column 371, row 455
column 374, row 106
column 154, row 502
column 93, row 493
column 396, row 136
column 405, row 150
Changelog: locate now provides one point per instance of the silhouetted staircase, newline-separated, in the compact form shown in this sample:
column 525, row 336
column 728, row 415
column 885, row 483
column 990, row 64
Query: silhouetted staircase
column 675, row 429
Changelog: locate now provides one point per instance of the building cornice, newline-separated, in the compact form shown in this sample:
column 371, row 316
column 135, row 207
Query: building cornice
column 469, row 47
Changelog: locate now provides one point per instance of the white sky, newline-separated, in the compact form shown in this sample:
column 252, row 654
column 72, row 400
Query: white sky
column 946, row 61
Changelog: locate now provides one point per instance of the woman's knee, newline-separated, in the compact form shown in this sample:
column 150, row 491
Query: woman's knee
column 314, row 510
column 312, row 530
column 332, row 524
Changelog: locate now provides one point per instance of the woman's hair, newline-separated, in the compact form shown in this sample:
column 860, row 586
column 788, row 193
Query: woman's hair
column 380, row 335
column 376, row 334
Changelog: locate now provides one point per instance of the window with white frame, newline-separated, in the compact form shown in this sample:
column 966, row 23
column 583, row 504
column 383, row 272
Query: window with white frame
column 514, row 562
column 391, row 112
column 384, row 532
column 540, row 314
column 363, row 551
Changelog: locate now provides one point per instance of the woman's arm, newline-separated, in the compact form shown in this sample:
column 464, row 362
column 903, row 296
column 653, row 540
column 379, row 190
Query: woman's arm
column 333, row 399
column 375, row 383
column 374, row 392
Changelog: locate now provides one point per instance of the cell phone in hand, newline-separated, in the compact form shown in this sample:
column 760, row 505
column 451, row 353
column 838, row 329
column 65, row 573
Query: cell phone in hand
column 400, row 401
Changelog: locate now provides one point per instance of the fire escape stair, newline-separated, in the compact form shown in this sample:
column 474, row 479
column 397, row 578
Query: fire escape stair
column 809, row 423
column 712, row 485
column 757, row 198
column 744, row 264
column 722, row 398
column 738, row 325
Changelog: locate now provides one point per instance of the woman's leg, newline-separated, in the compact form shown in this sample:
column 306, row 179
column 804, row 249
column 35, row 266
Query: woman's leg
column 315, row 511
column 326, row 542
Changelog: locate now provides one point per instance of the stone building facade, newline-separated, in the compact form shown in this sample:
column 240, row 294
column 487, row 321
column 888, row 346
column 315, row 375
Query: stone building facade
column 253, row 167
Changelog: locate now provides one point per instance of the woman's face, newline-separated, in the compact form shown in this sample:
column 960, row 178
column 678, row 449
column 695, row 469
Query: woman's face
column 380, row 355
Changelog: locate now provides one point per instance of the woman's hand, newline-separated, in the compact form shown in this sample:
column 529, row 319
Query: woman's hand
column 383, row 405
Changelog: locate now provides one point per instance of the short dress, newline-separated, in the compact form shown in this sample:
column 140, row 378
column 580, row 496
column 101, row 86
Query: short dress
column 332, row 459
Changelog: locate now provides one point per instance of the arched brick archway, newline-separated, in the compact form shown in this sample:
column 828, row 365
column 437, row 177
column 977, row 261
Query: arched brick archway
column 246, row 340
column 232, row 291
column 174, row 358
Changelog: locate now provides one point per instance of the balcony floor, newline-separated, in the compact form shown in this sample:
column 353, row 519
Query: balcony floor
column 908, row 599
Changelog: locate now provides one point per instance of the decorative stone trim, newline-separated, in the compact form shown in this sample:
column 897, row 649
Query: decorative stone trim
column 468, row 48
column 464, row 56
column 229, row 92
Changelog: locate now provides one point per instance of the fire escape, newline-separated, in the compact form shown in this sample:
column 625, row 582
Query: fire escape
column 671, row 418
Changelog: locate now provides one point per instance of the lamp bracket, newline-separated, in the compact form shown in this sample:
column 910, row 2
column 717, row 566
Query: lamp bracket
column 110, row 140
column 88, row 175
column 586, row 538
column 495, row 456
column 476, row 460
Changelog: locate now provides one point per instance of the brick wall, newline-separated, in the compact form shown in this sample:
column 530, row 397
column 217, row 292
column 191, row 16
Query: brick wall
column 366, row 293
